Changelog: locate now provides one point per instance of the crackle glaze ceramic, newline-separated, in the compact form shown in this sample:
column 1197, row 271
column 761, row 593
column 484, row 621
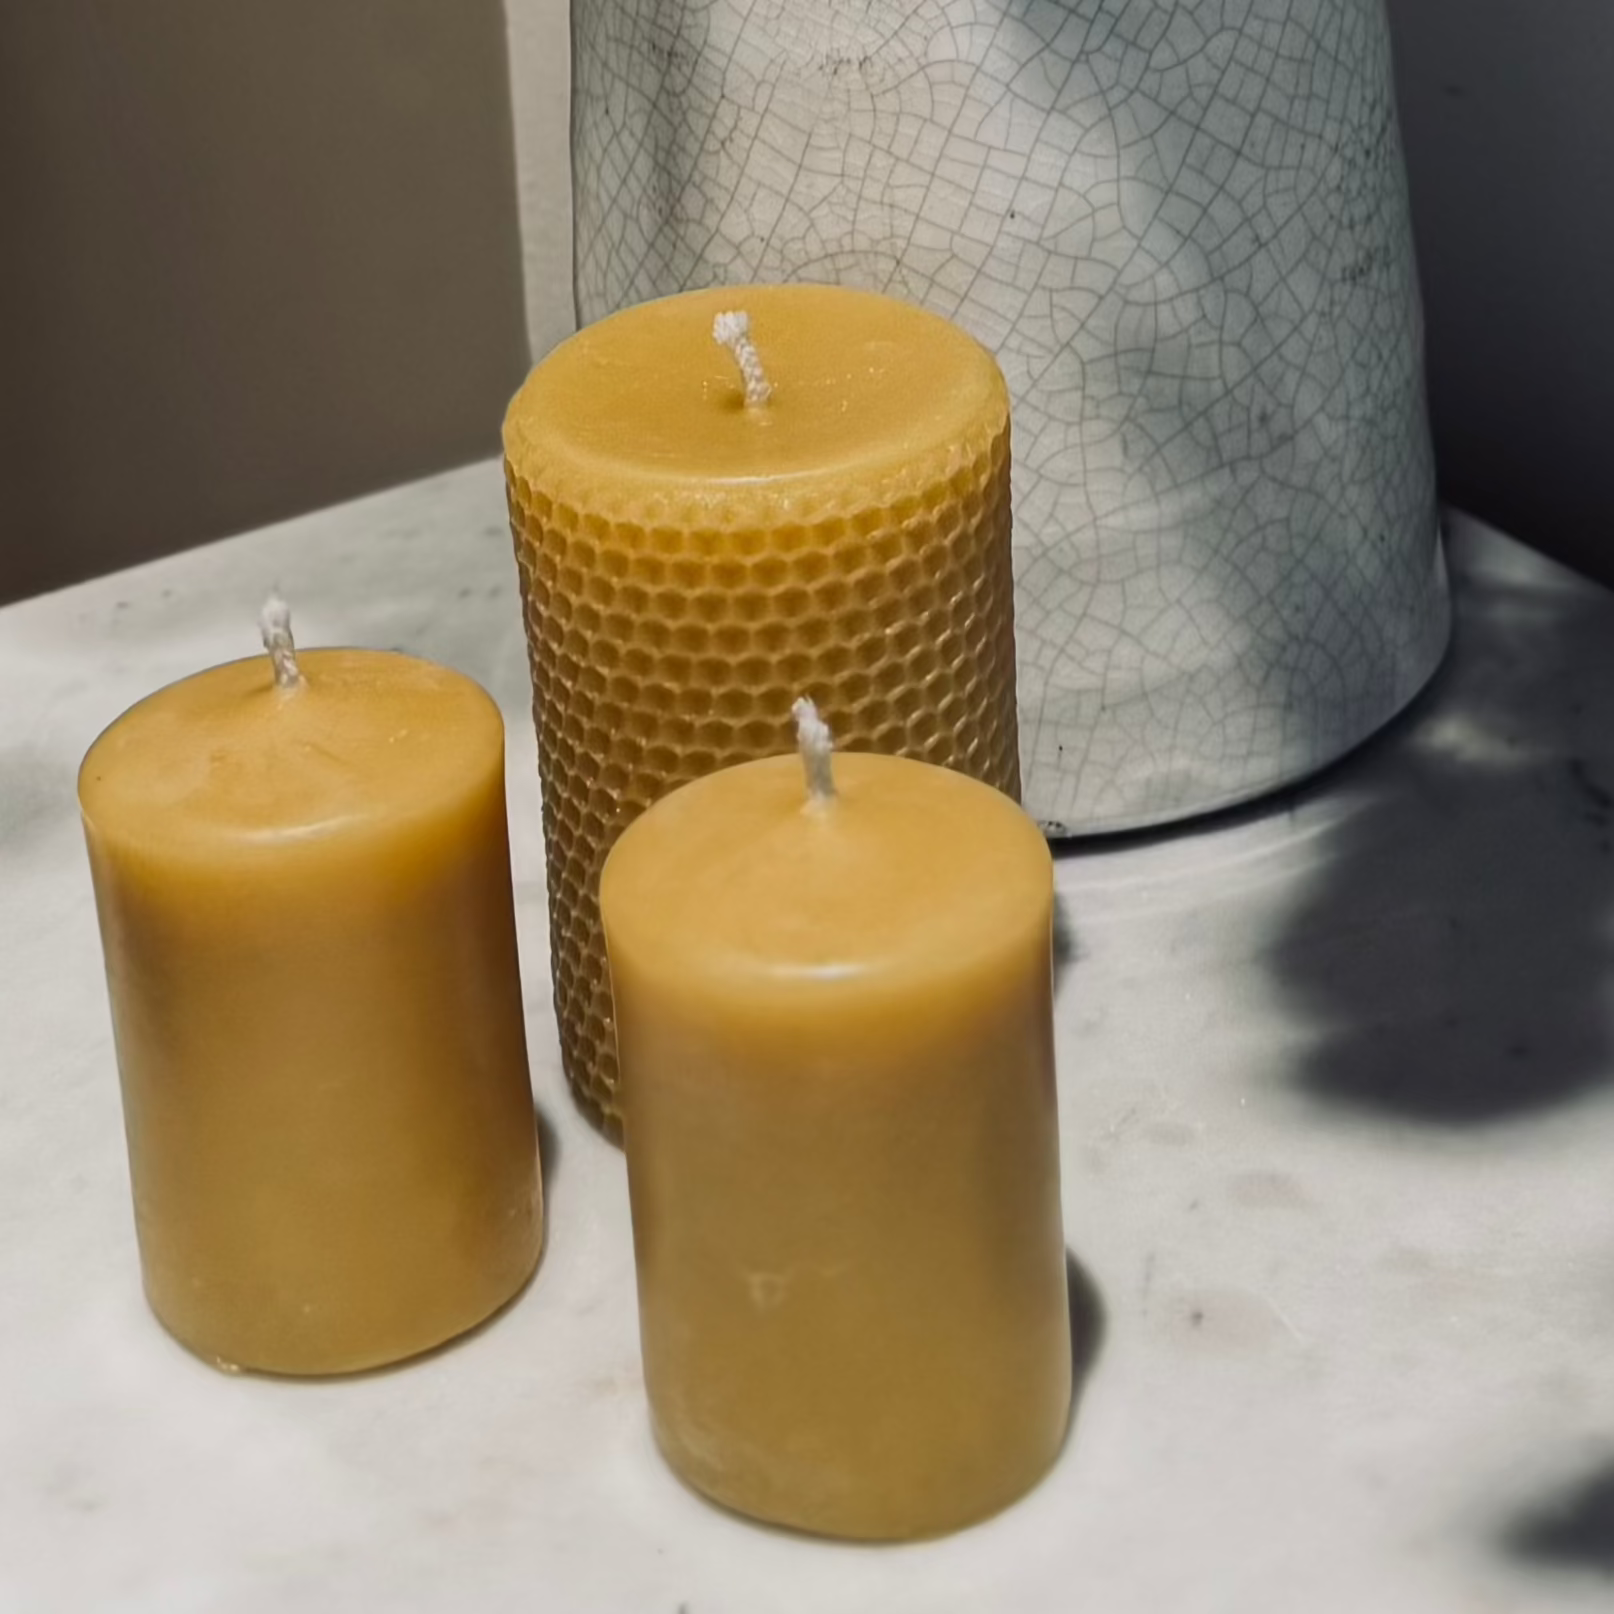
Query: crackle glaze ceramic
column 1183, row 229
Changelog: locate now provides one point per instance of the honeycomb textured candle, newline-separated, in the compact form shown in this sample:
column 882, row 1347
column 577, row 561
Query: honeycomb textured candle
column 690, row 564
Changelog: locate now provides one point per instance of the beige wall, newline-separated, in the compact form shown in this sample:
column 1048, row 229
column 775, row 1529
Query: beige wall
column 256, row 256
column 541, row 80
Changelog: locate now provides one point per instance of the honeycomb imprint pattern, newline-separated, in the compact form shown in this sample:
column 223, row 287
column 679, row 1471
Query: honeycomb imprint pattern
column 661, row 653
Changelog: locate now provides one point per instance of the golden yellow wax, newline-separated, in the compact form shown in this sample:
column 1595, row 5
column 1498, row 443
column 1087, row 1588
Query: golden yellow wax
column 690, row 564
column 305, row 904
column 835, row 1030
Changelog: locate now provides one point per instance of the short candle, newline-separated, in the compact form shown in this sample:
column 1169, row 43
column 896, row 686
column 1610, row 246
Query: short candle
column 834, row 1018
column 817, row 499
column 302, row 873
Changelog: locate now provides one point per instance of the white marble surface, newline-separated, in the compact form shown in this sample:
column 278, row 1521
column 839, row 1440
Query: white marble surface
column 1337, row 1083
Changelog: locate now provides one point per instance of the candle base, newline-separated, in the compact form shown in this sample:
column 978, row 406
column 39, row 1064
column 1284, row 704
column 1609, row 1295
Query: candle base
column 936, row 1504
column 376, row 1355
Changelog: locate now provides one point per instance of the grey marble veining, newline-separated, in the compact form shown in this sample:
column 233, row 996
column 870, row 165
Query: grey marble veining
column 1337, row 1090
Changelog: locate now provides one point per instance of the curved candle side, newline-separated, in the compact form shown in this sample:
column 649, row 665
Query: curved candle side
column 835, row 1035
column 306, row 910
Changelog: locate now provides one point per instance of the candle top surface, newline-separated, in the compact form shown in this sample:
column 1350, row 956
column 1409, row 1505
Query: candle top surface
column 225, row 759
column 909, row 870
column 647, row 403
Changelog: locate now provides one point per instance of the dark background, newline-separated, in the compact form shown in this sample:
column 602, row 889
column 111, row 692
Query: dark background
column 1507, row 111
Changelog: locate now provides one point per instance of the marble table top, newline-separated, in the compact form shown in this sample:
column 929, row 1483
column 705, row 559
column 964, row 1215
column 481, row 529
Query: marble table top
column 1337, row 1093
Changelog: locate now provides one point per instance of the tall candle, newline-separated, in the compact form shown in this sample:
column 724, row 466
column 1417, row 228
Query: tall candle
column 819, row 500
column 304, row 893
column 835, row 1024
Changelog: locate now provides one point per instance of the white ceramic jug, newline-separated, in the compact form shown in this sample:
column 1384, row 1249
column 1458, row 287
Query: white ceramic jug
column 1182, row 226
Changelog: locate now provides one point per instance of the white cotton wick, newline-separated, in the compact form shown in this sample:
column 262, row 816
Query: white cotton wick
column 816, row 744
column 274, row 623
column 733, row 331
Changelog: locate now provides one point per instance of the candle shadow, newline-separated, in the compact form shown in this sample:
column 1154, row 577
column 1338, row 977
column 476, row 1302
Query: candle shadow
column 1573, row 1530
column 1087, row 1329
column 549, row 1152
column 1067, row 946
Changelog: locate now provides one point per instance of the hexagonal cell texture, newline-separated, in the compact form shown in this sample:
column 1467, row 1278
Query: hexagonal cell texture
column 661, row 653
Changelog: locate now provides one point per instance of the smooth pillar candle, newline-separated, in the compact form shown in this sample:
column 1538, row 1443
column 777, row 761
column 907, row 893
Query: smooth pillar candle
column 691, row 561
column 835, row 1027
column 305, row 903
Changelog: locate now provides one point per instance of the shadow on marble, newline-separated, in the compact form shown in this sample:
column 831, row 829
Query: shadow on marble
column 1067, row 945
column 1573, row 1530
column 1086, row 1332
column 1452, row 951
column 549, row 1153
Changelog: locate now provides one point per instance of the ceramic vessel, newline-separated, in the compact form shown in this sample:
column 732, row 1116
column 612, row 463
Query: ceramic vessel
column 1182, row 226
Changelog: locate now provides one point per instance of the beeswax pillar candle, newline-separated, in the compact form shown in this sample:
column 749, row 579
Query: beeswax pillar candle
column 834, row 1016
column 819, row 500
column 304, row 893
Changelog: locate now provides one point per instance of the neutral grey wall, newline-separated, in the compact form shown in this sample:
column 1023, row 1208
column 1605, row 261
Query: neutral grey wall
column 1507, row 108
column 255, row 256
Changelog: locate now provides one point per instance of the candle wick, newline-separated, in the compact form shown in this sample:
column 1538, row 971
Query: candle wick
column 274, row 623
column 733, row 331
column 816, row 744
